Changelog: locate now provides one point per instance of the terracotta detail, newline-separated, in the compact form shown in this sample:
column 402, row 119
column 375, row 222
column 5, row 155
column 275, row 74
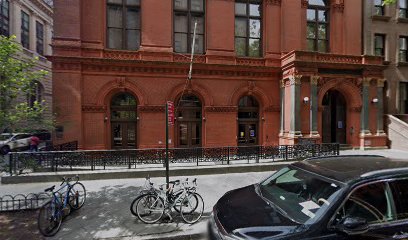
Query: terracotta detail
column 191, row 88
column 258, row 93
column 120, row 81
column 314, row 79
column 151, row 109
column 295, row 79
column 105, row 93
column 366, row 81
column 250, row 61
column 93, row 108
column 305, row 3
column 226, row 109
column 282, row 83
column 121, row 55
column 380, row 82
column 274, row 2
column 350, row 91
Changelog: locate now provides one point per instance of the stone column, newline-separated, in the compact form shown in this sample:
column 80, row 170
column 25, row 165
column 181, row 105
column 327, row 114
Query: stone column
column 380, row 107
column 365, row 130
column 313, row 105
column 295, row 81
column 282, row 101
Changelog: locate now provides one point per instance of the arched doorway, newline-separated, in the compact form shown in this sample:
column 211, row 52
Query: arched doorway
column 123, row 121
column 248, row 121
column 334, row 117
column 188, row 123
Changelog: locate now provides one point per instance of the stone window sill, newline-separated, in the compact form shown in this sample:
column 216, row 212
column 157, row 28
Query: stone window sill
column 381, row 18
column 402, row 20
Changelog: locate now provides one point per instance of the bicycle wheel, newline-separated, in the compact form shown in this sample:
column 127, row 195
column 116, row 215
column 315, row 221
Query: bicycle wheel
column 150, row 208
column 133, row 206
column 49, row 219
column 77, row 196
column 192, row 208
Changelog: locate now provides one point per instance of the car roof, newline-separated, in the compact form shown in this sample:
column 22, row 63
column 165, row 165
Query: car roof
column 350, row 168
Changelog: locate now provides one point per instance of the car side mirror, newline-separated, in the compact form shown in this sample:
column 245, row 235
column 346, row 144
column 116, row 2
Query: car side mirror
column 353, row 226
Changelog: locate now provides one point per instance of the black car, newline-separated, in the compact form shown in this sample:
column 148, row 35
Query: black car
column 340, row 197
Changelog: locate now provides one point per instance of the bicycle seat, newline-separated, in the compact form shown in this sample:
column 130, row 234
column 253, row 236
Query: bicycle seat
column 174, row 182
column 50, row 189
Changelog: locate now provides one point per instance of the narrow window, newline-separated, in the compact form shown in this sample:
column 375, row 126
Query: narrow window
column 186, row 13
column 403, row 49
column 379, row 45
column 4, row 18
column 123, row 24
column 403, row 109
column 40, row 38
column 25, row 30
column 379, row 8
column 403, row 8
column 36, row 95
column 248, row 25
column 318, row 25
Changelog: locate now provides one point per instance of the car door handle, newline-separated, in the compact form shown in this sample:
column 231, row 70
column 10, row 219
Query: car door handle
column 400, row 235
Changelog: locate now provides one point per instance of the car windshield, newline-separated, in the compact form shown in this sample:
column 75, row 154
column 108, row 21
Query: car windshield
column 4, row 137
column 302, row 196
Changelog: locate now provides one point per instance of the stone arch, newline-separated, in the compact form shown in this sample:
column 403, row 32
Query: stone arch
column 195, row 89
column 106, row 93
column 254, row 91
column 350, row 91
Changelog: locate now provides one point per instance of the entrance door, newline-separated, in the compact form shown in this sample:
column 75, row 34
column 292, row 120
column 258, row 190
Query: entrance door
column 123, row 121
column 189, row 134
column 247, row 133
column 334, row 117
column 188, row 125
column 248, row 118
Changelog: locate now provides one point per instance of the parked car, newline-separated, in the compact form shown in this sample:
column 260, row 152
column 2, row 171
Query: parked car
column 14, row 141
column 339, row 197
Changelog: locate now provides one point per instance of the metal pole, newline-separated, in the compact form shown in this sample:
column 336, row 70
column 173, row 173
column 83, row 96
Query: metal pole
column 192, row 52
column 167, row 146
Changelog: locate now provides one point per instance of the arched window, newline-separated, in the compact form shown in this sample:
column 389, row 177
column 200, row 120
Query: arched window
column 188, row 122
column 36, row 95
column 123, row 121
column 318, row 25
column 248, row 121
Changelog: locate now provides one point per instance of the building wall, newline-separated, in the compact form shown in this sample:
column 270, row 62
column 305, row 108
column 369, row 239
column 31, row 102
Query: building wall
column 87, row 74
column 41, row 12
column 393, row 27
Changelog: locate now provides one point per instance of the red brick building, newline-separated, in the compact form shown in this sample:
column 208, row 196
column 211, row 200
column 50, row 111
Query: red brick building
column 265, row 72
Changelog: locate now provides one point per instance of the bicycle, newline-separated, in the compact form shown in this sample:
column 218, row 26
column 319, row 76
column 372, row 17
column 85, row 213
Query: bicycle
column 151, row 206
column 60, row 205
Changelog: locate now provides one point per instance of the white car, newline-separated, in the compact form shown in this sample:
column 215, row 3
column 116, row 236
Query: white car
column 14, row 141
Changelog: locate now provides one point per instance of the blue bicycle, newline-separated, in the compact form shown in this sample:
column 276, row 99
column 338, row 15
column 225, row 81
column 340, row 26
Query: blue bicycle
column 68, row 197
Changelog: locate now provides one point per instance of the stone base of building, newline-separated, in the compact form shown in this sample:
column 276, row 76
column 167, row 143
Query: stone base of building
column 373, row 141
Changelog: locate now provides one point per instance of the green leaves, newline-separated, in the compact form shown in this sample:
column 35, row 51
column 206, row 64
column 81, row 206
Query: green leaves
column 387, row 2
column 17, row 82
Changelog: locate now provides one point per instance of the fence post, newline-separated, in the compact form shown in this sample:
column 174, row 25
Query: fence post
column 228, row 153
column 197, row 153
column 56, row 165
column 129, row 157
column 10, row 163
column 286, row 152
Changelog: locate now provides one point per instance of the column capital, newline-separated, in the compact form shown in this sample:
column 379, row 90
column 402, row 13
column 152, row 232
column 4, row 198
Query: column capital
column 282, row 83
column 380, row 82
column 314, row 79
column 305, row 3
column 295, row 79
column 366, row 81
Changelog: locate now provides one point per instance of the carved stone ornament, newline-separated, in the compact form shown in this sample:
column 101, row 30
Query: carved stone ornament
column 221, row 109
column 305, row 3
column 380, row 82
column 282, row 83
column 314, row 79
column 120, row 81
column 93, row 108
column 366, row 81
column 295, row 79
column 152, row 109
column 274, row 2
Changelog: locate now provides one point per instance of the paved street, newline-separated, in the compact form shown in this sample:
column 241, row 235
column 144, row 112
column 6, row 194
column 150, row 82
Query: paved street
column 106, row 212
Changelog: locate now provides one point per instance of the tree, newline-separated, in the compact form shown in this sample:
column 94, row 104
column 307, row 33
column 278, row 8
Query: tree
column 17, row 81
column 387, row 2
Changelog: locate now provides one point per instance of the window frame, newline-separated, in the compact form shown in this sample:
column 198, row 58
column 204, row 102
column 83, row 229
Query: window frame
column 403, row 50
column 401, row 102
column 25, row 32
column 36, row 94
column 403, row 10
column 248, row 17
column 383, row 36
column 124, row 28
column 190, row 14
column 4, row 18
column 39, row 33
column 380, row 7
column 316, row 23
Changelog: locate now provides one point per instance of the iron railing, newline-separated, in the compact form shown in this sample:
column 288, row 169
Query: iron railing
column 23, row 202
column 69, row 146
column 133, row 158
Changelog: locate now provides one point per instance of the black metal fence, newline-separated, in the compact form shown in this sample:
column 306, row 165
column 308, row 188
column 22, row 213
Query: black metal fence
column 69, row 146
column 23, row 202
column 134, row 158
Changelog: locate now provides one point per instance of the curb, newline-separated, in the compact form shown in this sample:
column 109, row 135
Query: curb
column 142, row 173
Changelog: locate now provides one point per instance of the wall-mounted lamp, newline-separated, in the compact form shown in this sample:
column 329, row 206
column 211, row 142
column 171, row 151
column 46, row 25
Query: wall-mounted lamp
column 263, row 118
column 306, row 100
column 375, row 100
column 204, row 119
column 105, row 119
column 137, row 118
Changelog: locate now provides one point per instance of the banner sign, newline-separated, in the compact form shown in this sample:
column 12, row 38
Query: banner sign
column 170, row 113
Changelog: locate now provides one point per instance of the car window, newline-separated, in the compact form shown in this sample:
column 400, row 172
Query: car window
column 400, row 193
column 303, row 196
column 370, row 202
column 20, row 136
